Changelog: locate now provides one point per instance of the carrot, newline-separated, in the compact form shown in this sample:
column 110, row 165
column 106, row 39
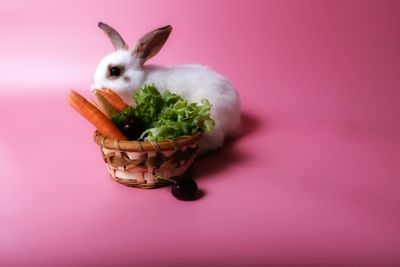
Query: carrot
column 103, row 124
column 114, row 99
column 108, row 109
column 94, row 104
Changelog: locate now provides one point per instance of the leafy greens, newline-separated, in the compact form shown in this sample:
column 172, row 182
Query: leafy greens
column 167, row 115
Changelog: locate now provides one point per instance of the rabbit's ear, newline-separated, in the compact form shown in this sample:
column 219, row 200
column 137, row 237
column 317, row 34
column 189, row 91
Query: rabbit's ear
column 149, row 45
column 114, row 36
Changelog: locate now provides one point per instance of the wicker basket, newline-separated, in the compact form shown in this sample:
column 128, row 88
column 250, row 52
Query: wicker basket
column 139, row 164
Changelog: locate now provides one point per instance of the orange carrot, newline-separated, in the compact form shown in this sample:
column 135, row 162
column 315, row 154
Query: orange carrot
column 105, row 106
column 114, row 99
column 103, row 124
column 95, row 104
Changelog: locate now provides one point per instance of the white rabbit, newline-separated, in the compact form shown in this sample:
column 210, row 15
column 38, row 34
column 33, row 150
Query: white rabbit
column 124, row 72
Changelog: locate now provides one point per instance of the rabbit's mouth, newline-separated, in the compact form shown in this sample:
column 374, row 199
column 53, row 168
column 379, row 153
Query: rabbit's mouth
column 93, row 88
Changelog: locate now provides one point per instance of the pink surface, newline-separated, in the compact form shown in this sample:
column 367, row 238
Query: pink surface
column 313, row 180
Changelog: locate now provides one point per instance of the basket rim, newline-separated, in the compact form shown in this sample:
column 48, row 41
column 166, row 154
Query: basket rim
column 141, row 146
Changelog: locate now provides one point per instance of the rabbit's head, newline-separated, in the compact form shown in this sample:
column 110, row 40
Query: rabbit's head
column 122, row 70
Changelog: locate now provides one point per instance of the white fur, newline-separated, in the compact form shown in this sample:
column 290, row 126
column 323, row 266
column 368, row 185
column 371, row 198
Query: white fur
column 192, row 82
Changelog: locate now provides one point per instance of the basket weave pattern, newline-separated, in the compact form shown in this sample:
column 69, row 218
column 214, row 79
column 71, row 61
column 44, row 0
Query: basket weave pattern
column 139, row 164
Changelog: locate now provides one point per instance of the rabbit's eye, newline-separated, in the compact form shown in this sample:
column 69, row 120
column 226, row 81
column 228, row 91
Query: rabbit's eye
column 115, row 71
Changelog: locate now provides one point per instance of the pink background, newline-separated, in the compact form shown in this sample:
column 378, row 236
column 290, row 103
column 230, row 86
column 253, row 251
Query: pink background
column 313, row 180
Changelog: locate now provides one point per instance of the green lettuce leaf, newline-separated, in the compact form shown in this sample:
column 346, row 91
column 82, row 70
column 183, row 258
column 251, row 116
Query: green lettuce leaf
column 167, row 116
column 149, row 103
column 181, row 118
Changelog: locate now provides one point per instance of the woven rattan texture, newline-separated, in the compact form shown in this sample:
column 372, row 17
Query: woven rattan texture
column 144, row 164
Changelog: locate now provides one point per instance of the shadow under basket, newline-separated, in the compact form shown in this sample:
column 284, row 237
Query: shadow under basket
column 142, row 163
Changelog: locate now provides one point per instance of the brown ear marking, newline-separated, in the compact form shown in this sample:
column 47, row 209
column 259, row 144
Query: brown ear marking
column 165, row 28
column 150, row 44
column 114, row 36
